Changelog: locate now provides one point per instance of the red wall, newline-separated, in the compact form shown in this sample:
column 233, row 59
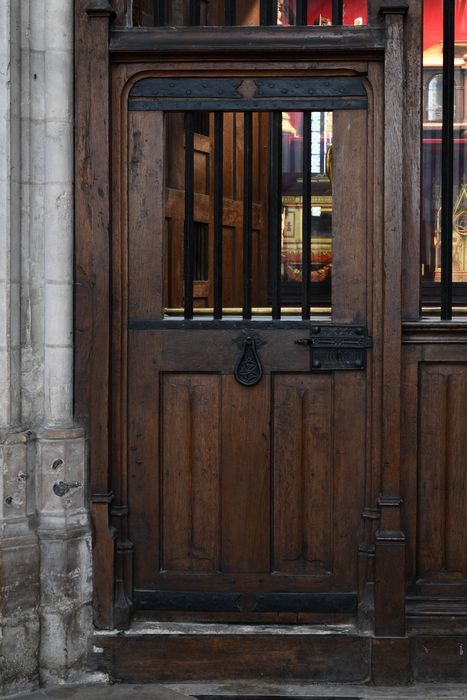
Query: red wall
column 433, row 21
column 352, row 9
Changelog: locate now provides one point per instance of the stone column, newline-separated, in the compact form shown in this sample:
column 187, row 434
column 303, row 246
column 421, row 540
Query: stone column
column 19, row 560
column 45, row 550
column 64, row 532
column 18, row 544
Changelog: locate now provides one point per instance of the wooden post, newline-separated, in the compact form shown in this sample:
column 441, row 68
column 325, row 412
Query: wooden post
column 374, row 16
column 390, row 540
column 92, row 329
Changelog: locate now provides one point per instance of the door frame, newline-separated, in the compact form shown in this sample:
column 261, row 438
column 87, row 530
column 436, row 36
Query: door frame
column 108, row 62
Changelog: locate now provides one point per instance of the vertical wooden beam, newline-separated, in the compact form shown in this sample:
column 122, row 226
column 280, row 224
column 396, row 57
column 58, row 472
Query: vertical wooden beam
column 390, row 540
column 412, row 139
column 92, row 278
column 120, row 8
column 374, row 16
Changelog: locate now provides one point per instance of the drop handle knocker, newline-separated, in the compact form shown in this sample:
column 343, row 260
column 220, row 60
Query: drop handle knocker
column 248, row 370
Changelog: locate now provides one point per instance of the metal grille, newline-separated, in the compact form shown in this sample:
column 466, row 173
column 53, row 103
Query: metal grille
column 273, row 98
column 268, row 12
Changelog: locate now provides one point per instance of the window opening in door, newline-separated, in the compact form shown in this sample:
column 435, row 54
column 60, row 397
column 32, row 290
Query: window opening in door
column 444, row 194
column 248, row 211
column 182, row 13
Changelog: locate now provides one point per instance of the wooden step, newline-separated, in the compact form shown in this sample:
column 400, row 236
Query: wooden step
column 163, row 651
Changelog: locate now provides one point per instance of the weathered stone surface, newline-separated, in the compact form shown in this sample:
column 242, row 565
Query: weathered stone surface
column 45, row 560
column 19, row 653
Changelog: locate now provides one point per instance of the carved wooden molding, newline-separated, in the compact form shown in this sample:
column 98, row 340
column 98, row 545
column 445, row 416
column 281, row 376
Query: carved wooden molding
column 363, row 41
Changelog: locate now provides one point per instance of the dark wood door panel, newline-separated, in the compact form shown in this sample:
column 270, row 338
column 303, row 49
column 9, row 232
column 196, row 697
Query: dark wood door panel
column 442, row 554
column 252, row 489
column 190, row 488
column 434, row 449
column 303, row 474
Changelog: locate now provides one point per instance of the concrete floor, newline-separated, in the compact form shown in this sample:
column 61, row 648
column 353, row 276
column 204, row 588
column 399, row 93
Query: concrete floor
column 180, row 691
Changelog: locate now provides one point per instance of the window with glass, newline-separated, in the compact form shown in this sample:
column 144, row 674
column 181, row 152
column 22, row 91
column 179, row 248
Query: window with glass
column 444, row 196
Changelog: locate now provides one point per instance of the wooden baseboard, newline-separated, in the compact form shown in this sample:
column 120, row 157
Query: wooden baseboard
column 173, row 651
column 315, row 656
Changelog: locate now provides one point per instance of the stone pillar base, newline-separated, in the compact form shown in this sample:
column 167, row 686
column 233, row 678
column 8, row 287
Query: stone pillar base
column 19, row 565
column 66, row 556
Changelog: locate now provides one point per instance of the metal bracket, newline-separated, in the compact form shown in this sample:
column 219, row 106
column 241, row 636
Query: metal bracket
column 337, row 347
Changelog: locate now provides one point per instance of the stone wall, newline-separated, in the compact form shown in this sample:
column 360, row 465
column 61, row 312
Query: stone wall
column 45, row 557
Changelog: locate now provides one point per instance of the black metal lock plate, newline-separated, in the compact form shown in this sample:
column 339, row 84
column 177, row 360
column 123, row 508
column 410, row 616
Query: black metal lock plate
column 334, row 348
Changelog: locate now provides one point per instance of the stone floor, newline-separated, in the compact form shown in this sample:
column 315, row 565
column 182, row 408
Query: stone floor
column 180, row 691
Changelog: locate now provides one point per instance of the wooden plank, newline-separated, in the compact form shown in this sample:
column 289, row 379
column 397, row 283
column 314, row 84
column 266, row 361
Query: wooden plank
column 409, row 452
column 359, row 42
column 303, row 474
column 349, row 448
column 190, row 488
column 92, row 277
column 349, row 230
column 432, row 447
column 375, row 159
column 390, row 661
column 339, row 658
column 390, row 540
column 439, row 658
column 231, row 263
column 143, row 455
column 392, row 251
column 145, row 212
column 412, row 136
column 232, row 214
column 245, row 508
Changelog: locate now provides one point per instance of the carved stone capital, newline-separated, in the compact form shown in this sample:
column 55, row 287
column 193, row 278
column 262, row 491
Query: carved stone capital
column 101, row 8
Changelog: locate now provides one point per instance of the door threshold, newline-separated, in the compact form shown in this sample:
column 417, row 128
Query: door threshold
column 182, row 651
column 141, row 628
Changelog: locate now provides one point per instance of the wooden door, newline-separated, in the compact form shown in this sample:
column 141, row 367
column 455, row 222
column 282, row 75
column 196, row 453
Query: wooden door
column 247, row 427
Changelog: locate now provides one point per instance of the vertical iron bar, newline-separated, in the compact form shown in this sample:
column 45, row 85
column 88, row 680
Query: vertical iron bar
column 275, row 209
column 218, row 205
column 230, row 13
column 159, row 13
column 247, row 212
column 338, row 11
column 302, row 13
column 268, row 12
column 195, row 13
column 188, row 254
column 306, row 217
column 447, row 160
